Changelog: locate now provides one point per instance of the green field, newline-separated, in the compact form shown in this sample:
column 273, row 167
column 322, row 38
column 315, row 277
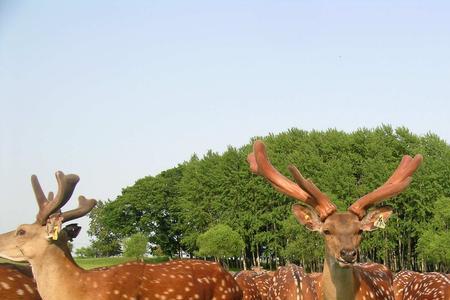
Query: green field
column 90, row 263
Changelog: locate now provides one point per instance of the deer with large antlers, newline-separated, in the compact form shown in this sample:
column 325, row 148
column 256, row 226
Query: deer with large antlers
column 342, row 278
column 44, row 245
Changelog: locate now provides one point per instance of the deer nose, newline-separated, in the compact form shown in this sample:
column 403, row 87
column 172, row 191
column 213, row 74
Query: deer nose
column 349, row 255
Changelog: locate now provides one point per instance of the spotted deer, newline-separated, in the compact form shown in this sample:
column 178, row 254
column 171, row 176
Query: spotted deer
column 263, row 281
column 17, row 283
column 401, row 280
column 59, row 277
column 421, row 286
column 342, row 277
column 317, row 282
column 245, row 280
column 292, row 283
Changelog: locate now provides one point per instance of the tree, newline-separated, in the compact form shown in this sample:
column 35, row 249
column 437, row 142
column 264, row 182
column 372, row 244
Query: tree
column 136, row 245
column 85, row 252
column 434, row 242
column 105, row 242
column 220, row 241
column 175, row 206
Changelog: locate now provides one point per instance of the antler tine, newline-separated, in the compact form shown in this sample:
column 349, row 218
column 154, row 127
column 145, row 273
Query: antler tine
column 260, row 165
column 397, row 183
column 66, row 186
column 84, row 207
column 39, row 194
column 324, row 205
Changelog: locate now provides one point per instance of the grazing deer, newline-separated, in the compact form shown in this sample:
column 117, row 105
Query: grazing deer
column 421, row 286
column 292, row 283
column 341, row 278
column 43, row 244
column 245, row 280
column 17, row 283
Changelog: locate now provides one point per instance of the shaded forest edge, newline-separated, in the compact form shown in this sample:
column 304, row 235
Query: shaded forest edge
column 177, row 207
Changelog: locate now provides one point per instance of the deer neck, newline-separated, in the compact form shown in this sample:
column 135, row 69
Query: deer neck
column 54, row 273
column 338, row 282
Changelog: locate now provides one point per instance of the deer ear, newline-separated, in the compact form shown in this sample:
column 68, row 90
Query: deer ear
column 72, row 231
column 307, row 216
column 376, row 218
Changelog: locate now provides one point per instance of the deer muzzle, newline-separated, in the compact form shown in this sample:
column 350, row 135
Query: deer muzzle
column 348, row 256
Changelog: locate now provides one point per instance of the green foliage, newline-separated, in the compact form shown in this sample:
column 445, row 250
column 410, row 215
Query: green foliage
column 303, row 247
column 157, row 251
column 175, row 206
column 85, row 252
column 106, row 242
column 434, row 241
column 220, row 241
column 136, row 245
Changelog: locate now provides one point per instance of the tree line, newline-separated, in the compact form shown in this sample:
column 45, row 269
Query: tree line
column 174, row 208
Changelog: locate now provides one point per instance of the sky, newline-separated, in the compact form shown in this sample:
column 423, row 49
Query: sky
column 117, row 90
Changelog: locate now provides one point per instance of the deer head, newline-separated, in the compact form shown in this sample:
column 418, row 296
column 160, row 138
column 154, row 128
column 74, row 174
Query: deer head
column 341, row 230
column 43, row 244
column 32, row 240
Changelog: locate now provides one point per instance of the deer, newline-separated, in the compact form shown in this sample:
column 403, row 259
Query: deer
column 255, row 283
column 17, row 283
column 16, row 280
column 263, row 281
column 245, row 280
column 342, row 277
column 401, row 280
column 317, row 282
column 292, row 283
column 44, row 245
column 421, row 286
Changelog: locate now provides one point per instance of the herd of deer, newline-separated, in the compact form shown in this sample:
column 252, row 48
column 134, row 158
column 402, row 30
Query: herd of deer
column 55, row 275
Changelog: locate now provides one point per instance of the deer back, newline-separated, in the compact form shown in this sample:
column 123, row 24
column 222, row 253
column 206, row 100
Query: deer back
column 16, row 282
column 376, row 281
column 424, row 286
column 401, row 280
column 316, row 279
column 245, row 280
column 190, row 279
column 292, row 283
column 263, row 283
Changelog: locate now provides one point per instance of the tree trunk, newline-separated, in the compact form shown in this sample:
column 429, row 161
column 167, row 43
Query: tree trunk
column 258, row 258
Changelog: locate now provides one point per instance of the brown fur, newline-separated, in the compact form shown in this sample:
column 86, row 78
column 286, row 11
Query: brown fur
column 263, row 283
column 17, row 283
column 246, row 282
column 421, row 286
column 292, row 283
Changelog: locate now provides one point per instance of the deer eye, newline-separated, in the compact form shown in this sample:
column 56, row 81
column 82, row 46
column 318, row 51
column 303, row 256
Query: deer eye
column 20, row 232
column 326, row 232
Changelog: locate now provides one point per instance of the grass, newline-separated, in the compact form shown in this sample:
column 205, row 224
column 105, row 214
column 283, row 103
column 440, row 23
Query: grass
column 90, row 263
column 3, row 261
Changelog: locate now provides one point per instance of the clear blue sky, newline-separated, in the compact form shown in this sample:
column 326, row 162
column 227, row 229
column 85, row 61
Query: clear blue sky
column 117, row 90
